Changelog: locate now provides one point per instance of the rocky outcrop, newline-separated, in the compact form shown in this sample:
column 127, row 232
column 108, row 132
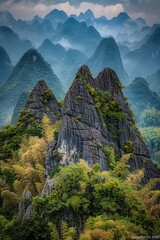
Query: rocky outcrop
column 129, row 133
column 42, row 101
column 95, row 116
column 82, row 131
column 25, row 207
column 25, row 204
column 47, row 188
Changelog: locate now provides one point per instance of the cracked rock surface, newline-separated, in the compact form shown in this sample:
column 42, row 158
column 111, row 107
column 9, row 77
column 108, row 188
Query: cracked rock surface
column 83, row 133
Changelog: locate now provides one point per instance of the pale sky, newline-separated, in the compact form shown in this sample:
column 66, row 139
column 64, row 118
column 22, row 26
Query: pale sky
column 26, row 9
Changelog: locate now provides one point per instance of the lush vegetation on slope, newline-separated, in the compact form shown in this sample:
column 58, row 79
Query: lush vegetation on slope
column 88, row 204
column 84, row 204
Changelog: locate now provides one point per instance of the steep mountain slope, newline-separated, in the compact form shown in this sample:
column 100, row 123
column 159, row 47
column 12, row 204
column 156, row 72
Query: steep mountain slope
column 146, row 58
column 19, row 106
column 36, row 32
column 87, row 17
column 31, row 68
column 65, row 63
column 53, row 53
column 43, row 102
column 38, row 103
column 154, row 81
column 95, row 117
column 13, row 44
column 123, row 22
column 107, row 55
column 6, row 19
column 72, row 61
column 141, row 22
column 5, row 65
column 56, row 16
column 140, row 96
column 78, row 35
column 96, row 124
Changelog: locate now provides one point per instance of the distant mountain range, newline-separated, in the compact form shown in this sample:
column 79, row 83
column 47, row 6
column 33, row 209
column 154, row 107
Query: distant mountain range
column 42, row 27
column 146, row 59
column 64, row 43
column 141, row 97
column 64, row 62
column 53, row 53
column 5, row 65
column 107, row 54
column 11, row 42
column 85, row 39
column 154, row 82
column 56, row 17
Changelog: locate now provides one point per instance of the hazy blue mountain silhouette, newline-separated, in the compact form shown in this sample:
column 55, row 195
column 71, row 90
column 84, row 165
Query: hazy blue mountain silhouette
column 5, row 65
column 30, row 69
column 13, row 44
column 107, row 55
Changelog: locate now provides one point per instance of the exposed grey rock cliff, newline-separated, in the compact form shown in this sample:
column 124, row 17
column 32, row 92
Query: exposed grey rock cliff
column 89, row 125
column 42, row 101
column 25, row 207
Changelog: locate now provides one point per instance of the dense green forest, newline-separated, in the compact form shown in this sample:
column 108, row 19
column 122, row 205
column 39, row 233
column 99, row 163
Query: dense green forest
column 85, row 203
column 149, row 124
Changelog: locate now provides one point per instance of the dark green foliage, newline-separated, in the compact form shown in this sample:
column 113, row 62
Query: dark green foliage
column 47, row 96
column 11, row 136
column 80, row 194
column 128, row 147
column 110, row 155
column 108, row 108
column 152, row 139
column 35, row 228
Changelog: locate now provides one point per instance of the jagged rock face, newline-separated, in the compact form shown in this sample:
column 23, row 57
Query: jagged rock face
column 25, row 207
column 108, row 81
column 47, row 188
column 81, row 130
column 83, row 133
column 42, row 101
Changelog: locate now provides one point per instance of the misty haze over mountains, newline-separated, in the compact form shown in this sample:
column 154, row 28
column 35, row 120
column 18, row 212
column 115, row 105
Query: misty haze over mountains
column 128, row 46
column 79, row 120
